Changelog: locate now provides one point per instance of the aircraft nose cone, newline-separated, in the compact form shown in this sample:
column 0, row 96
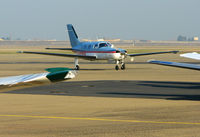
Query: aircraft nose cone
column 123, row 51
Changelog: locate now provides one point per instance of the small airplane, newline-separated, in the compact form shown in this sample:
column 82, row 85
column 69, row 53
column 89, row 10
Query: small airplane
column 98, row 50
column 193, row 55
column 24, row 81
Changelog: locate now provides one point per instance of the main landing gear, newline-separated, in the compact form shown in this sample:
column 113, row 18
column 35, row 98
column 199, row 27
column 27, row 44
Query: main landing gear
column 77, row 67
column 120, row 62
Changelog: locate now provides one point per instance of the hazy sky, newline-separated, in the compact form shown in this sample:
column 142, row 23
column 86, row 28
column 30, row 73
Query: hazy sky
column 125, row 19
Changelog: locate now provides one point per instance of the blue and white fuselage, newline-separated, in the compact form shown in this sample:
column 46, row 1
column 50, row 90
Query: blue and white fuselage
column 100, row 49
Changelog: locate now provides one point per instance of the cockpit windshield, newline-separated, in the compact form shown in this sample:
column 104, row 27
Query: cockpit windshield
column 104, row 45
column 109, row 44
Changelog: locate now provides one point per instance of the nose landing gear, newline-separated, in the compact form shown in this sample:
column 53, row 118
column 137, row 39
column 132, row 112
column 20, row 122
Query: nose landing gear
column 116, row 67
column 122, row 65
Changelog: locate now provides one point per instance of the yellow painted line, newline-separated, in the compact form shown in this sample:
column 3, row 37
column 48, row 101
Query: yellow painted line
column 101, row 119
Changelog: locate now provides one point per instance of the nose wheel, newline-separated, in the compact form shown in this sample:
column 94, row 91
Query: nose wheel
column 116, row 67
column 123, row 66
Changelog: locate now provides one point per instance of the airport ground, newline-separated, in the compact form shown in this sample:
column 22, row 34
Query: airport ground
column 143, row 100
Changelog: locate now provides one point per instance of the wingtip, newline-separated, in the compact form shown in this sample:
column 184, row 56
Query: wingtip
column 175, row 52
column 20, row 51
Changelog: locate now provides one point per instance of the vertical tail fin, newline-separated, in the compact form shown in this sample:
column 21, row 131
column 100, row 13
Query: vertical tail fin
column 72, row 35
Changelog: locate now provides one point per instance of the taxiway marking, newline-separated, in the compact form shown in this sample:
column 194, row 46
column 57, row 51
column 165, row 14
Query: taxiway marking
column 101, row 119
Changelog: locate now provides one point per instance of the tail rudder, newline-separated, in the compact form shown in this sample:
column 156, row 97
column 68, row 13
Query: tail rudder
column 72, row 35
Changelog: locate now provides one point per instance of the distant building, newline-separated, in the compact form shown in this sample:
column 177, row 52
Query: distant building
column 145, row 40
column 5, row 38
column 113, row 40
column 110, row 40
column 184, row 38
column 181, row 38
column 195, row 38
column 86, row 40
column 100, row 39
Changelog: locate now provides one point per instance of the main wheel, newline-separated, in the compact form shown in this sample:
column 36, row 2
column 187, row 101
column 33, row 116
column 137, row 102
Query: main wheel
column 123, row 67
column 116, row 67
column 77, row 67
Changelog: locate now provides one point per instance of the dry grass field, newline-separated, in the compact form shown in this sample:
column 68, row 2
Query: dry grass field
column 143, row 100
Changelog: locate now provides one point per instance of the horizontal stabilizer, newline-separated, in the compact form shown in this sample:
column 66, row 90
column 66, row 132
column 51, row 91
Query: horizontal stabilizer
column 176, row 64
column 152, row 53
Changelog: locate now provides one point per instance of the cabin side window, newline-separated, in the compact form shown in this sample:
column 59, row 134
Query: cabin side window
column 102, row 45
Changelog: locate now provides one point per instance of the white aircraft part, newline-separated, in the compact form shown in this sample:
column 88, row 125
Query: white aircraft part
column 132, row 59
column 71, row 74
column 30, row 80
column 22, row 78
column 193, row 55
column 105, row 56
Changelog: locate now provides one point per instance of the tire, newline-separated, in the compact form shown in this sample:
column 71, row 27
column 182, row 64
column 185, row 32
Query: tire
column 123, row 67
column 77, row 67
column 116, row 67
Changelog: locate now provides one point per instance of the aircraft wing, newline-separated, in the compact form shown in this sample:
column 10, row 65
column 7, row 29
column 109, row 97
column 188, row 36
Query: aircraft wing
column 59, row 48
column 175, row 64
column 152, row 53
column 193, row 55
column 61, row 54
column 24, row 81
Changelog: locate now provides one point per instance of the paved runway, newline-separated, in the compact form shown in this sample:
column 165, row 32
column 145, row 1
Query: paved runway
column 102, row 108
column 122, row 89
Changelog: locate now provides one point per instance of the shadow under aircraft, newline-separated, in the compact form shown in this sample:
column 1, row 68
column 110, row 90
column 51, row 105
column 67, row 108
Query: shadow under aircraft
column 121, row 89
